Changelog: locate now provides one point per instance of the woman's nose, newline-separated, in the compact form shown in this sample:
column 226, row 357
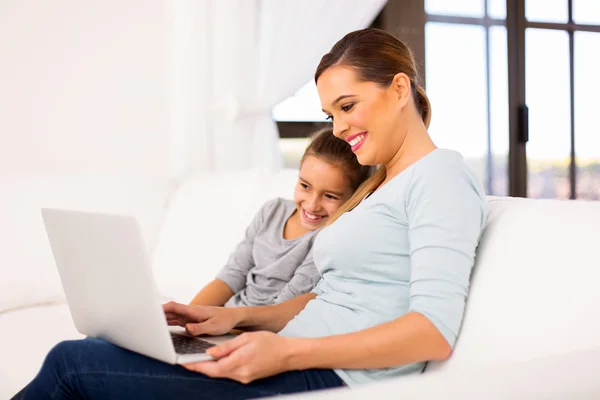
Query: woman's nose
column 339, row 127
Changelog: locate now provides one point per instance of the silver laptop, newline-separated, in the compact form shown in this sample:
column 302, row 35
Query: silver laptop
column 107, row 278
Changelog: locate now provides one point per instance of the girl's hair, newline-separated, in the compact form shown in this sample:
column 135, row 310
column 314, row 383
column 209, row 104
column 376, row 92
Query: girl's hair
column 323, row 144
column 376, row 56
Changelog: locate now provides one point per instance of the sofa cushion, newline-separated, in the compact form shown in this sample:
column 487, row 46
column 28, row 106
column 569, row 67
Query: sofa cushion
column 535, row 289
column 557, row 377
column 27, row 336
column 27, row 268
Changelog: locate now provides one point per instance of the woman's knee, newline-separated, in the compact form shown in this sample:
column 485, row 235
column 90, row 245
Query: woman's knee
column 60, row 355
column 65, row 349
column 69, row 354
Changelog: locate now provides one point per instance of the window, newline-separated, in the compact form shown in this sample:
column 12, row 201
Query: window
column 547, row 10
column 555, row 79
column 586, row 12
column 587, row 134
column 467, row 83
column 549, row 146
column 563, row 156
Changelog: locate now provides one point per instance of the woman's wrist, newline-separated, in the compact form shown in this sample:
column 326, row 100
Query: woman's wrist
column 299, row 354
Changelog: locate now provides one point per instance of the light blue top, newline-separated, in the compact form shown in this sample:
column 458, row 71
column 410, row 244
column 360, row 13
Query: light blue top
column 409, row 247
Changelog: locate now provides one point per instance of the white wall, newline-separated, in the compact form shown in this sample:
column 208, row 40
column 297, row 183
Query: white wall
column 83, row 86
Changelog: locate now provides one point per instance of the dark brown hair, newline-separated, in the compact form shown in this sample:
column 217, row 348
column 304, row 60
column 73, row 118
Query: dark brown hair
column 324, row 145
column 376, row 56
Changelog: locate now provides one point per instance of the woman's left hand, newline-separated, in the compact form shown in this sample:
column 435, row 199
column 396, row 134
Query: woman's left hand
column 248, row 357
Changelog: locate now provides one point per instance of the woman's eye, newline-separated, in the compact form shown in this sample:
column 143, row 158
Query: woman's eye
column 347, row 107
column 304, row 186
column 329, row 118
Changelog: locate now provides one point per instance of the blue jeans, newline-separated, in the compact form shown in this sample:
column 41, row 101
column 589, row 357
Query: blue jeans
column 93, row 369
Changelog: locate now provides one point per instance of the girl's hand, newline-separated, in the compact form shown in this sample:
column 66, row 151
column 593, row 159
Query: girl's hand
column 248, row 357
column 201, row 320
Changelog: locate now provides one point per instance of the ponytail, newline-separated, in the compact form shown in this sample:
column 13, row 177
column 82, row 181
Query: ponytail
column 423, row 105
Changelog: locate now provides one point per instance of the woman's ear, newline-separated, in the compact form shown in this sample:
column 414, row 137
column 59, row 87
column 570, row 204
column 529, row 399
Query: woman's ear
column 401, row 85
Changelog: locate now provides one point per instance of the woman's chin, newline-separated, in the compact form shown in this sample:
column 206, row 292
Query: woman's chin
column 364, row 160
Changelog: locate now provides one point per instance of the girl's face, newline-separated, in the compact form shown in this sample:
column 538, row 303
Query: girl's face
column 364, row 114
column 322, row 188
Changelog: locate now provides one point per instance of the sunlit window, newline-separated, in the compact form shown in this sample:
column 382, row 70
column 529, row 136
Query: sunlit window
column 457, row 85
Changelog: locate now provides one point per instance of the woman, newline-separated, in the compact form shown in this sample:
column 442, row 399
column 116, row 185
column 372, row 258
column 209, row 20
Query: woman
column 395, row 263
column 274, row 262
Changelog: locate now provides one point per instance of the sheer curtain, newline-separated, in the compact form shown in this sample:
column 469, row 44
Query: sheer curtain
column 232, row 61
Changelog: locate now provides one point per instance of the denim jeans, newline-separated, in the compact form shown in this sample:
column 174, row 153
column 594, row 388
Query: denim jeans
column 93, row 369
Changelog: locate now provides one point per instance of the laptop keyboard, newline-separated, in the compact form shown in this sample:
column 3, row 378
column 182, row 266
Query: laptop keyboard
column 189, row 345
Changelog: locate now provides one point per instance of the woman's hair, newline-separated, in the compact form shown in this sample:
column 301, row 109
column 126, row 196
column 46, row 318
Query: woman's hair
column 376, row 56
column 324, row 145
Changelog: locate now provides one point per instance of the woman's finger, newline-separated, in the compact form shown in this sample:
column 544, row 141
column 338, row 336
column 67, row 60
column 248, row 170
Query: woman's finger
column 226, row 348
column 225, row 367
column 208, row 368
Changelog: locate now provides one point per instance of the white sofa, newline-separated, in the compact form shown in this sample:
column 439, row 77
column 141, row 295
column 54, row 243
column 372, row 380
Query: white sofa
column 531, row 330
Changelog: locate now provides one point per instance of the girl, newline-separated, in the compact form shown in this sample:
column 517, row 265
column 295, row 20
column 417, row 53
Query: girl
column 274, row 262
column 395, row 263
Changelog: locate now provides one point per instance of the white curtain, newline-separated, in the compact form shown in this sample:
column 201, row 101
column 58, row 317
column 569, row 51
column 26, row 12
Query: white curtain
column 233, row 60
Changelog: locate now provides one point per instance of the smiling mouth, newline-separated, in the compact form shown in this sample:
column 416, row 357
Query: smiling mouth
column 357, row 141
column 312, row 217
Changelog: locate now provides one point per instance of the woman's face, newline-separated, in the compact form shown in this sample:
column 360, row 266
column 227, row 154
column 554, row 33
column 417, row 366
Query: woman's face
column 321, row 190
column 364, row 114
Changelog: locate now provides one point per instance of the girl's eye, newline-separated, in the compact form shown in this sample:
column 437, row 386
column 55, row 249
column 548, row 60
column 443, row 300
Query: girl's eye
column 331, row 197
column 347, row 107
column 304, row 186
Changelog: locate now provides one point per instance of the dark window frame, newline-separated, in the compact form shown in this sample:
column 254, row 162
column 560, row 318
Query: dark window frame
column 299, row 129
column 517, row 24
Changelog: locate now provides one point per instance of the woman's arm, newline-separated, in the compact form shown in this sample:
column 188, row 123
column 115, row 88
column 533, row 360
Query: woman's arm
column 408, row 339
column 215, row 293
column 250, row 356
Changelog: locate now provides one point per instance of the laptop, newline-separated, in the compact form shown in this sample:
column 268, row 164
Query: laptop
column 107, row 278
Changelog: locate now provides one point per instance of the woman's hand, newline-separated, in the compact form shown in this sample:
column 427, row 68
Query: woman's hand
column 248, row 357
column 201, row 320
